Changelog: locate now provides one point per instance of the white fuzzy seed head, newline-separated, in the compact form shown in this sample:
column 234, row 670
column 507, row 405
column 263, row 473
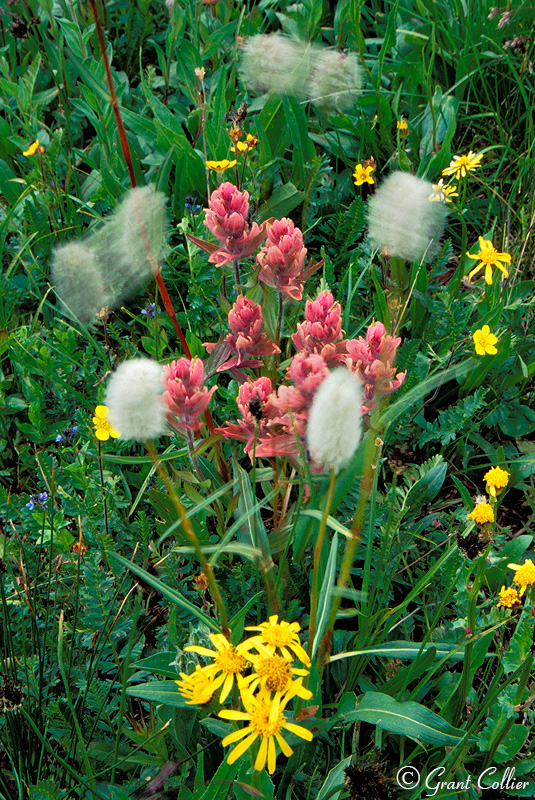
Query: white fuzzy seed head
column 402, row 220
column 335, row 81
column 78, row 281
column 334, row 426
column 275, row 63
column 134, row 400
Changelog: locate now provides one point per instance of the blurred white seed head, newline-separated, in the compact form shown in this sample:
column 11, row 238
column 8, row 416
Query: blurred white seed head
column 78, row 280
column 134, row 400
column 275, row 63
column 334, row 426
column 335, row 81
column 402, row 220
column 170, row 5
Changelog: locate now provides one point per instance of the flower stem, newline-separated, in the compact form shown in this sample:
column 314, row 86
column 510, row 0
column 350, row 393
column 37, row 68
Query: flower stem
column 192, row 539
column 315, row 575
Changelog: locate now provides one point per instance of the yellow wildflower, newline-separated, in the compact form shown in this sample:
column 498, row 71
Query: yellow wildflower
column 509, row 598
column 443, row 193
column 34, row 148
column 484, row 341
column 280, row 636
column 221, row 166
column 524, row 575
column 273, row 673
column 198, row 688
column 103, row 429
column 482, row 514
column 496, row 478
column 402, row 127
column 488, row 257
column 267, row 720
column 250, row 142
column 363, row 175
column 228, row 660
column 461, row 165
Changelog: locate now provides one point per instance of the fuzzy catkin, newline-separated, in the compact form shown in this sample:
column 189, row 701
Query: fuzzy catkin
column 275, row 63
column 134, row 400
column 78, row 281
column 334, row 426
column 335, row 80
column 402, row 221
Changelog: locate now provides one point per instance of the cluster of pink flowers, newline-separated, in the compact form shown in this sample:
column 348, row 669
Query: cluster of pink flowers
column 282, row 258
column 185, row 394
column 321, row 332
column 372, row 359
column 246, row 344
column 226, row 218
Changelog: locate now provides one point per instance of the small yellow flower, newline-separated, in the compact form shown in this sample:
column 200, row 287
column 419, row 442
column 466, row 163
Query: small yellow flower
column 402, row 127
column 488, row 257
column 482, row 514
column 228, row 660
column 484, row 341
column 509, row 598
column 198, row 688
column 34, row 148
column 221, row 166
column 461, row 165
column 250, row 142
column 524, row 575
column 496, row 478
column 443, row 193
column 267, row 720
column 363, row 175
column 103, row 429
column 280, row 636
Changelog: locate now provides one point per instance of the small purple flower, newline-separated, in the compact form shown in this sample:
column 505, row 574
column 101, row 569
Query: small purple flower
column 149, row 311
column 67, row 434
column 37, row 499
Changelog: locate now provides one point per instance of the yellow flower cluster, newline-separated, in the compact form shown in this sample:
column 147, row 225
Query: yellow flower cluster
column 496, row 479
column 482, row 514
column 271, row 683
column 524, row 577
column 509, row 598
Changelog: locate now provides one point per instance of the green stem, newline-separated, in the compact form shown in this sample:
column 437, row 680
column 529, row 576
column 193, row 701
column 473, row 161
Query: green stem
column 315, row 575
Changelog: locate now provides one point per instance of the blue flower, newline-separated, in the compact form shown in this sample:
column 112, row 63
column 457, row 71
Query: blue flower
column 66, row 434
column 37, row 499
column 150, row 310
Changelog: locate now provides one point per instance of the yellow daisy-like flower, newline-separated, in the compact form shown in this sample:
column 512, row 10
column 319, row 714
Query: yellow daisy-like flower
column 198, row 688
column 267, row 721
column 496, row 478
column 363, row 175
column 443, row 193
column 281, row 636
column 103, row 429
column 228, row 660
column 524, row 575
column 273, row 673
column 34, row 148
column 488, row 257
column 460, row 166
column 482, row 514
column 402, row 127
column 484, row 341
column 221, row 166
column 509, row 598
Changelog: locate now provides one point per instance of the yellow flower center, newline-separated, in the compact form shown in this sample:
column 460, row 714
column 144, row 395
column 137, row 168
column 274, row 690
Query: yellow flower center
column 261, row 723
column 276, row 671
column 277, row 636
column 525, row 575
column 230, row 662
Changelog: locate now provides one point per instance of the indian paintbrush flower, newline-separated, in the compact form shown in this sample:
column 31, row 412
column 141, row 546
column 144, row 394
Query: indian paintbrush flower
column 247, row 340
column 488, row 257
column 484, row 341
column 282, row 258
column 185, row 395
column 402, row 221
column 226, row 218
column 321, row 332
column 334, row 426
column 134, row 400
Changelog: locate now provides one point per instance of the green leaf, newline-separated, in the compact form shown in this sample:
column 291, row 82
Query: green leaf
column 520, row 645
column 159, row 664
column 409, row 719
column 408, row 650
column 520, row 421
column 325, row 596
column 222, row 782
column 282, row 201
column 164, row 692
